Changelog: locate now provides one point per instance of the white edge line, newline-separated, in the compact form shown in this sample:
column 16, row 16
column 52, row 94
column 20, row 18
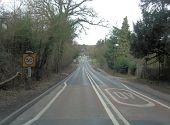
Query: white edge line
column 46, row 107
column 112, row 106
column 147, row 97
column 113, row 119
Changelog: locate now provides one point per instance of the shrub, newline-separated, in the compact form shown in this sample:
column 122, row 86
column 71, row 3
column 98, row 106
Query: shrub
column 121, row 65
column 132, row 68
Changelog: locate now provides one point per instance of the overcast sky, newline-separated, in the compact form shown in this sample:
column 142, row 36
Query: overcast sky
column 113, row 11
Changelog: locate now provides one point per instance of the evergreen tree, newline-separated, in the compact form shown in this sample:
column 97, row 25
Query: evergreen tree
column 124, row 39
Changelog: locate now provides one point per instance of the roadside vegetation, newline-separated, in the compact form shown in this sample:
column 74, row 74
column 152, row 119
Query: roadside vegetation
column 46, row 27
column 145, row 51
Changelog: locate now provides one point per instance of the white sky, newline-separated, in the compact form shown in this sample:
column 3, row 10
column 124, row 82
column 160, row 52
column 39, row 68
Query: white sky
column 113, row 11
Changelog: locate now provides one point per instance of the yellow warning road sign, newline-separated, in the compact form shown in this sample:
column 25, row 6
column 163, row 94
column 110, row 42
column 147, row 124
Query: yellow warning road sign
column 28, row 60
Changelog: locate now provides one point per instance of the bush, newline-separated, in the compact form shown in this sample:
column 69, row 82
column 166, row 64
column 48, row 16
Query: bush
column 4, row 65
column 132, row 68
column 121, row 65
column 3, row 58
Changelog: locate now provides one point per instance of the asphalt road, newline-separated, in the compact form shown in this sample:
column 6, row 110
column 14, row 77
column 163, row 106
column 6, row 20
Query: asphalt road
column 89, row 97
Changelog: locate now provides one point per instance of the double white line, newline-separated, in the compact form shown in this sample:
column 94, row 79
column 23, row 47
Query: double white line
column 46, row 107
column 101, row 95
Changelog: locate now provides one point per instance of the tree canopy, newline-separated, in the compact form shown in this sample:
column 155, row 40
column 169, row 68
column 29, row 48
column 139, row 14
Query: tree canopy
column 151, row 34
column 47, row 27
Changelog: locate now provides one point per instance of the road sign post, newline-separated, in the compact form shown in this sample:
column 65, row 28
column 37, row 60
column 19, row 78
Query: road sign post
column 29, row 72
column 28, row 61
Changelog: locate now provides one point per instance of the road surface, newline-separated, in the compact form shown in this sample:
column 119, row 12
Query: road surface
column 89, row 97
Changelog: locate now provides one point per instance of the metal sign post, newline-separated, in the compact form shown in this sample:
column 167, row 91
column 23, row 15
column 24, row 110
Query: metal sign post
column 29, row 72
column 28, row 61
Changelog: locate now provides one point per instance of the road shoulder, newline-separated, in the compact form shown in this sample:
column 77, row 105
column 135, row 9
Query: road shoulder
column 156, row 91
column 12, row 100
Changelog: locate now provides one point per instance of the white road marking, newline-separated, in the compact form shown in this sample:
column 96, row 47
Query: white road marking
column 119, row 94
column 149, row 104
column 110, row 103
column 83, row 68
column 46, row 107
column 113, row 119
column 165, row 106
column 158, row 102
column 130, row 95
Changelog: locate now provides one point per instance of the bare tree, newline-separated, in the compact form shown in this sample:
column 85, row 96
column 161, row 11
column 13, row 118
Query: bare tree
column 59, row 20
column 77, row 11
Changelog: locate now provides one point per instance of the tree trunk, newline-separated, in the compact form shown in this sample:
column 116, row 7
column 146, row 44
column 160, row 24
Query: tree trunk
column 42, row 61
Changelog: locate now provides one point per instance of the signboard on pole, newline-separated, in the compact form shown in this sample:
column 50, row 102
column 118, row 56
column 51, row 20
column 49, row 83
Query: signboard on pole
column 28, row 60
